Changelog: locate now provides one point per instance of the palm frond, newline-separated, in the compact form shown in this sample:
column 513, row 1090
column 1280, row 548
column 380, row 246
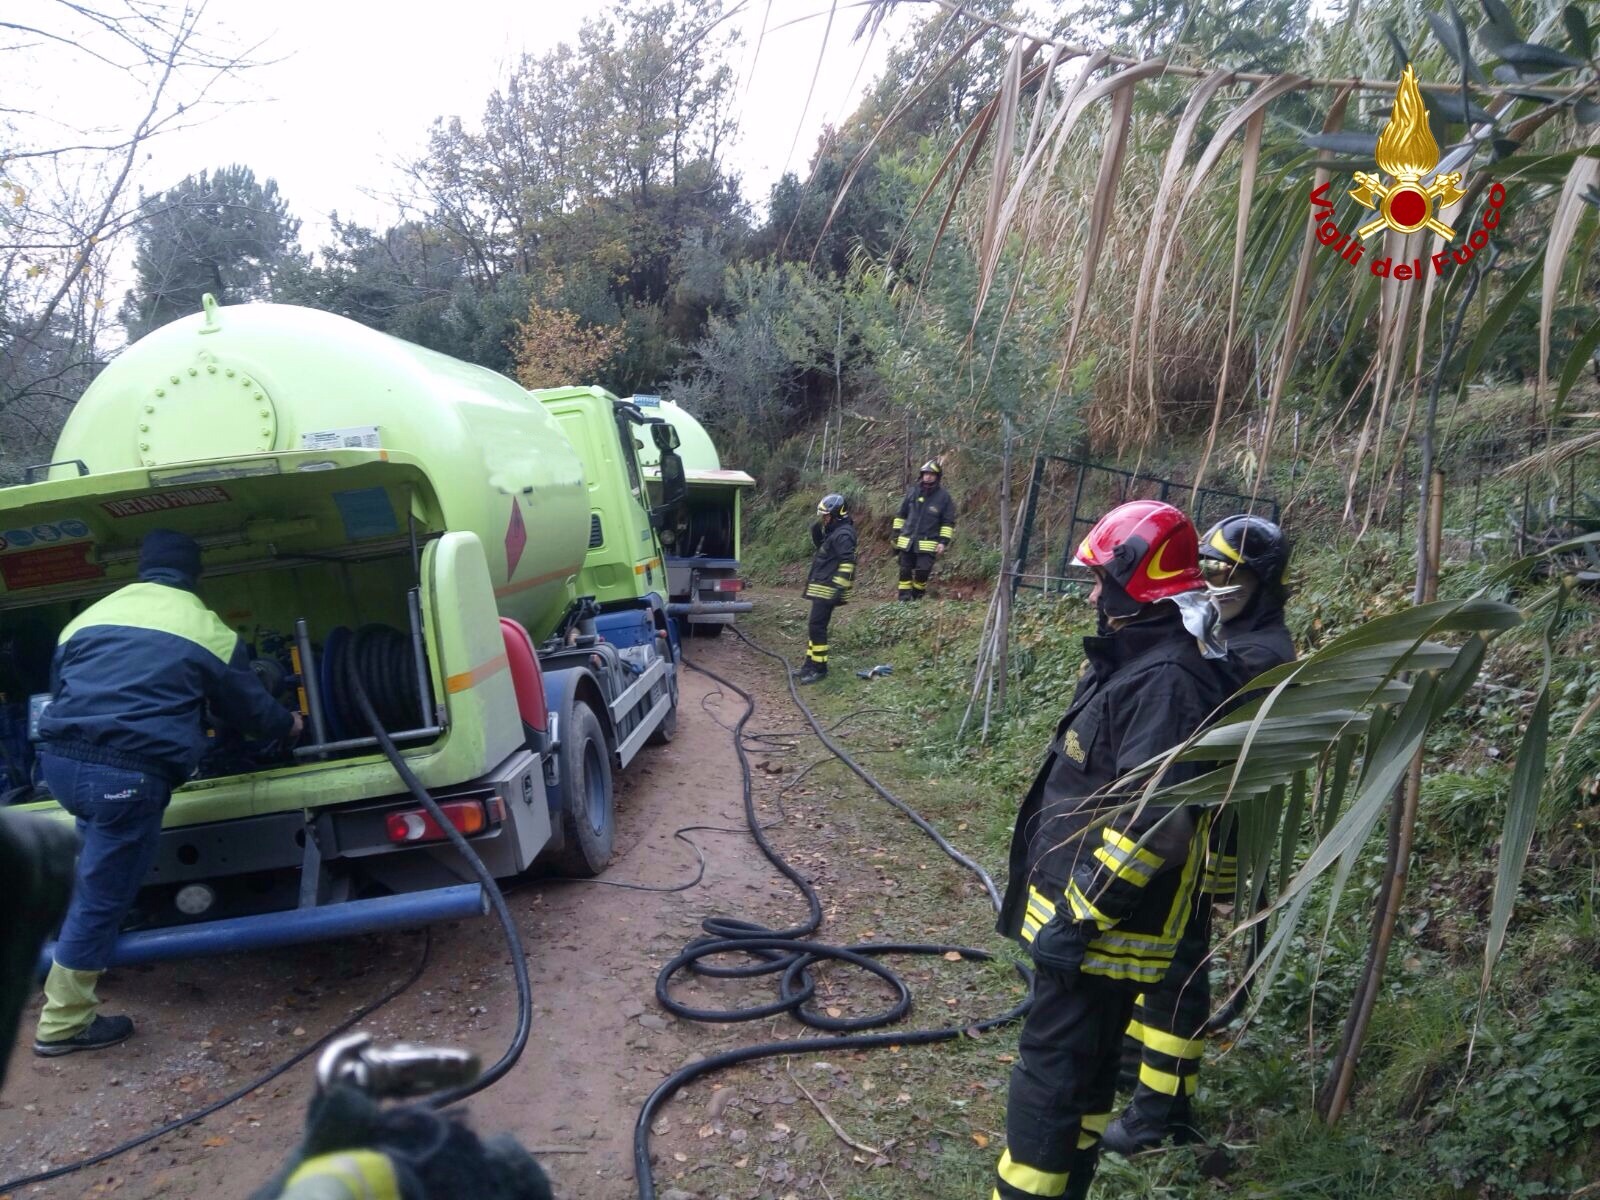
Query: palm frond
column 1570, row 208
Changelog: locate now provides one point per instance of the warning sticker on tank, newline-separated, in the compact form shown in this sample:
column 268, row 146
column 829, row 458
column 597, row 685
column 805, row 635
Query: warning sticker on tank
column 164, row 501
column 516, row 539
column 357, row 437
column 50, row 565
column 26, row 537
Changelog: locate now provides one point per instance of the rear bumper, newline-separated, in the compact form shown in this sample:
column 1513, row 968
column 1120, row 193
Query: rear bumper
column 294, row 926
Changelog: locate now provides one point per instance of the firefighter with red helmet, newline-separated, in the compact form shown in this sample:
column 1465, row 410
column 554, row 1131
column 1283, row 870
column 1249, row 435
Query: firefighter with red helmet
column 1099, row 889
column 923, row 530
column 1244, row 559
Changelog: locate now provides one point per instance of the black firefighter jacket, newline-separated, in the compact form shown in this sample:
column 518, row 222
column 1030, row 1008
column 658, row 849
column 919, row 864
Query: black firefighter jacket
column 833, row 566
column 1257, row 642
column 1147, row 688
column 927, row 520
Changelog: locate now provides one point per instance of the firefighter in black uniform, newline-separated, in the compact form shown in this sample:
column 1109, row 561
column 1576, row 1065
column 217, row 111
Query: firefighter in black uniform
column 1099, row 892
column 832, row 576
column 1244, row 559
column 923, row 530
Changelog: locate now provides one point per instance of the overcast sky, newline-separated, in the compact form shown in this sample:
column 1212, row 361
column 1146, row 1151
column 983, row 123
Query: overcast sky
column 357, row 85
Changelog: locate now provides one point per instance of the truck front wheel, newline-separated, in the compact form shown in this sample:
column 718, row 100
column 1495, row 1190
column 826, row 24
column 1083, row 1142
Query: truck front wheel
column 588, row 809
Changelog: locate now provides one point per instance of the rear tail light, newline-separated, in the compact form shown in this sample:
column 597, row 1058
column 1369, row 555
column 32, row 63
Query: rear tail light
column 414, row 825
column 724, row 585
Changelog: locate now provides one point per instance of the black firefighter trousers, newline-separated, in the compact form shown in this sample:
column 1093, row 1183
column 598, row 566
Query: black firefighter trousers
column 817, row 631
column 1167, row 1036
column 1063, row 1085
column 916, row 567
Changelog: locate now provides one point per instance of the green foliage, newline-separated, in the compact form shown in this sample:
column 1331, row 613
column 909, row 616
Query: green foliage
column 1538, row 1091
column 222, row 232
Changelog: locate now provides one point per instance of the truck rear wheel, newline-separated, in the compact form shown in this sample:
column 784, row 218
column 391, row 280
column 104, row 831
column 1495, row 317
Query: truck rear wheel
column 589, row 807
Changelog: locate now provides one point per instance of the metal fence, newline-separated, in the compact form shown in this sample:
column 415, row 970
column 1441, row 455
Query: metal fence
column 1066, row 496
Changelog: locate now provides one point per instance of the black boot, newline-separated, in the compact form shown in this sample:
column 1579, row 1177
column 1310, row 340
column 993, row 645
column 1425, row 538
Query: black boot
column 102, row 1032
column 812, row 672
column 1130, row 1134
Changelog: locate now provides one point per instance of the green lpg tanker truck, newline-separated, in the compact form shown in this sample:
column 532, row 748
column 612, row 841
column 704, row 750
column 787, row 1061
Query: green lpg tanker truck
column 485, row 563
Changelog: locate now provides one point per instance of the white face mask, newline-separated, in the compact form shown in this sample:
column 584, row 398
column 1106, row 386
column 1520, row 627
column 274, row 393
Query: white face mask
column 1233, row 598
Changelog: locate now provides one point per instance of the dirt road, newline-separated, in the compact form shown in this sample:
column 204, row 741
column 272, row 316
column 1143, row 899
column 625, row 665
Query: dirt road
column 599, row 1044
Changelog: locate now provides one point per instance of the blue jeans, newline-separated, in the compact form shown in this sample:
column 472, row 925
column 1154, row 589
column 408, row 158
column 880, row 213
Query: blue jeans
column 119, row 826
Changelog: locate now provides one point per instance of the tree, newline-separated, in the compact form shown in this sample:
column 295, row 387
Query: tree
column 223, row 233
column 66, row 195
column 552, row 348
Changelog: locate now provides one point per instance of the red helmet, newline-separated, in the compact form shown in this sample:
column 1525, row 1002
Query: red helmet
column 1148, row 548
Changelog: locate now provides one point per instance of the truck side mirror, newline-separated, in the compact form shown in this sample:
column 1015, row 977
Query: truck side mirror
column 666, row 438
column 674, row 486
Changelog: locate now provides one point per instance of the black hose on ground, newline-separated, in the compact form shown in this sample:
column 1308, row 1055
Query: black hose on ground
column 497, row 902
column 233, row 1097
column 787, row 953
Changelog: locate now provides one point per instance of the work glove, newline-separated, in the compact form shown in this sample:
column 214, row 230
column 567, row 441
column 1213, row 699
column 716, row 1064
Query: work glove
column 1059, row 947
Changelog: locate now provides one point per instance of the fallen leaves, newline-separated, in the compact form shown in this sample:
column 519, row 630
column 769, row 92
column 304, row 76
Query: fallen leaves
column 982, row 1140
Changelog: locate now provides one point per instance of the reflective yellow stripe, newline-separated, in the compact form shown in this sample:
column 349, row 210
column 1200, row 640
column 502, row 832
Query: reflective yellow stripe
column 843, row 581
column 1167, row 1083
column 1030, row 1179
column 947, row 531
column 1135, row 873
column 927, row 544
column 1130, row 848
column 1091, row 1127
column 1035, row 896
column 1166, row 1043
column 899, row 524
column 362, row 1174
column 902, row 543
column 1138, row 971
column 1083, row 910
column 641, row 568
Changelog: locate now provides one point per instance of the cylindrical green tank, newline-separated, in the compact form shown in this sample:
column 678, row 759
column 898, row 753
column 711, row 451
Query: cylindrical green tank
column 260, row 378
column 698, row 451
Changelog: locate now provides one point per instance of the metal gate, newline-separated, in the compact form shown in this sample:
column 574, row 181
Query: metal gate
column 1066, row 496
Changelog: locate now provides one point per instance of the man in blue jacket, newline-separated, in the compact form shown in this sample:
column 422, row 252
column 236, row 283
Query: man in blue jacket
column 133, row 674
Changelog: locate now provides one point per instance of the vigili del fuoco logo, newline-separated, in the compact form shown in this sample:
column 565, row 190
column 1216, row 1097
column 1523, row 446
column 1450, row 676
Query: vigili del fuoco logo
column 1407, row 154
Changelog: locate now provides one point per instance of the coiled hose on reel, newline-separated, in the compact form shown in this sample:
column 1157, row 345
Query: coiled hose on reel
column 379, row 660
